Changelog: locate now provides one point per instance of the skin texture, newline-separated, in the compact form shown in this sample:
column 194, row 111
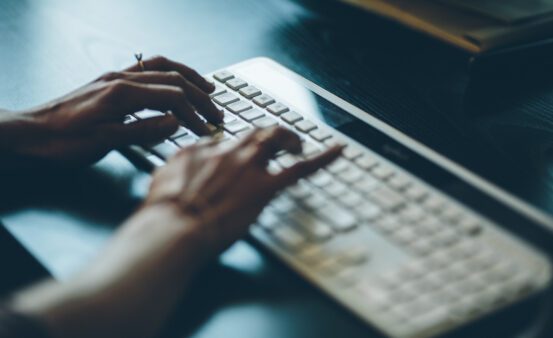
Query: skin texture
column 80, row 128
column 199, row 203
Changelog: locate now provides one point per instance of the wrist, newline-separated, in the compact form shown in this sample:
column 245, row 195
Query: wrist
column 151, row 260
column 20, row 132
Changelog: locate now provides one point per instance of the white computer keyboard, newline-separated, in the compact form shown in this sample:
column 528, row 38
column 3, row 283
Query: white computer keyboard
column 398, row 253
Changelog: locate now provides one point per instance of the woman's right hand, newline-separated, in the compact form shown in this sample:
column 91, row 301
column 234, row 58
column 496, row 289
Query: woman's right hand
column 225, row 188
column 199, row 203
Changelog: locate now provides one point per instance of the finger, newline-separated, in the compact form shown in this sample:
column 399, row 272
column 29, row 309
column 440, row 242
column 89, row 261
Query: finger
column 161, row 63
column 198, row 97
column 265, row 143
column 142, row 132
column 305, row 168
column 127, row 97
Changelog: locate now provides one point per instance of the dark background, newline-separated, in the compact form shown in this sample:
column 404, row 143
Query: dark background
column 408, row 80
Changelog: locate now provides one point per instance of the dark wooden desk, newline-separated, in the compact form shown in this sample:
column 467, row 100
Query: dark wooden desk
column 409, row 81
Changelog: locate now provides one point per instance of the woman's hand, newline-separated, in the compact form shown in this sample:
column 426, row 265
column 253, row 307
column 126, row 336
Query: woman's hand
column 83, row 126
column 226, row 188
column 204, row 199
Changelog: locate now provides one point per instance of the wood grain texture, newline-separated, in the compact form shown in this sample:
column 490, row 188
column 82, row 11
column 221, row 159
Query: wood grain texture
column 413, row 83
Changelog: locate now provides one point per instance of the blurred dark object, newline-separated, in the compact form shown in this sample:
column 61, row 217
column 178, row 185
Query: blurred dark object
column 499, row 78
column 18, row 267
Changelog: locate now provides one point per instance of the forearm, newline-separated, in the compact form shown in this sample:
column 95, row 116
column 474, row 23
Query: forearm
column 17, row 132
column 133, row 285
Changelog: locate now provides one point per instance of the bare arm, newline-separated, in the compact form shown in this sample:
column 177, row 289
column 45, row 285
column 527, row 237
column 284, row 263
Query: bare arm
column 81, row 127
column 199, row 204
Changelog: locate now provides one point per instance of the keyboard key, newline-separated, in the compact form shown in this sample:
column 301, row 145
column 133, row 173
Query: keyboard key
column 209, row 80
column 310, row 149
column 366, row 162
column 290, row 238
column 165, row 149
column 315, row 202
column 334, row 141
column 237, row 126
column 470, row 226
column 243, row 133
column 305, row 126
column 399, row 182
column 129, row 119
column 375, row 295
column 352, row 152
column 263, row 100
column 351, row 175
column 320, row 134
column 434, row 203
column 452, row 213
column 236, row 83
column 268, row 220
column 351, row 199
column 287, row 160
column 382, row 172
column 445, row 238
column 186, row 140
column 291, row 117
column 299, row 191
column 385, row 197
column 321, row 179
column 329, row 267
column 339, row 165
column 416, row 192
column 151, row 159
column 412, row 213
column 366, row 184
column 218, row 91
column 283, row 204
column 388, row 224
column 181, row 131
column 335, row 188
column 277, row 108
column 228, row 117
column 368, row 211
column 252, row 114
column 213, row 129
column 148, row 114
column 340, row 218
column 223, row 76
column 430, row 319
column 238, row 107
column 222, row 137
column 250, row 92
column 310, row 225
column 265, row 122
column 355, row 255
column 422, row 247
column 225, row 99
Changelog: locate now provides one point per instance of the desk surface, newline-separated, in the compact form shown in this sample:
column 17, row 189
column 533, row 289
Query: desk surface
column 405, row 79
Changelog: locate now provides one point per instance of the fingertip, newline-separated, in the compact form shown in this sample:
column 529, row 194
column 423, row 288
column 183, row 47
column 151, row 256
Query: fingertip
column 167, row 123
column 202, row 130
column 219, row 114
column 209, row 87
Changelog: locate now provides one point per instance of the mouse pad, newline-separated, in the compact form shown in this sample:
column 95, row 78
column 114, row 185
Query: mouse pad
column 507, row 11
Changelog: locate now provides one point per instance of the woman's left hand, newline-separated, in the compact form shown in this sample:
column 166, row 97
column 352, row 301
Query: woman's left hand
column 82, row 127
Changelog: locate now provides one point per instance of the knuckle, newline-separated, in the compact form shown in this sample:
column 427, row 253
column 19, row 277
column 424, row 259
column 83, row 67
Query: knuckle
column 180, row 93
column 116, row 88
column 111, row 76
column 175, row 76
column 159, row 60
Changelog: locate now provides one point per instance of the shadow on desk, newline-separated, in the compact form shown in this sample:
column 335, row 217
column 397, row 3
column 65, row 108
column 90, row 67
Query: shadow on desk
column 102, row 193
